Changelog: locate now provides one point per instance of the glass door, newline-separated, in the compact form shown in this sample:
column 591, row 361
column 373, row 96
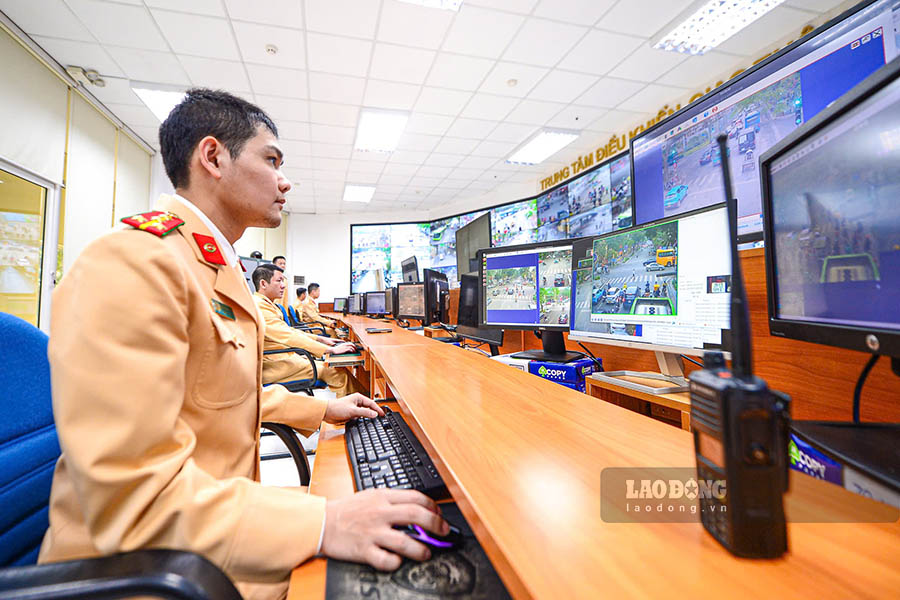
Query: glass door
column 23, row 210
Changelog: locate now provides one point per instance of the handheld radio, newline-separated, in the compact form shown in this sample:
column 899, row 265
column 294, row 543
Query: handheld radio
column 740, row 430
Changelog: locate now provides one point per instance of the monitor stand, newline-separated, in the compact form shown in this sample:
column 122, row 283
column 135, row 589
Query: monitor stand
column 554, row 349
column 671, row 373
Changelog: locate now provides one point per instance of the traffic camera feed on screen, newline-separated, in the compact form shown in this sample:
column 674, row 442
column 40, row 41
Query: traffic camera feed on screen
column 528, row 286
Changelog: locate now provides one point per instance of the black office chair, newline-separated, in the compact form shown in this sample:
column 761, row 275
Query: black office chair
column 29, row 449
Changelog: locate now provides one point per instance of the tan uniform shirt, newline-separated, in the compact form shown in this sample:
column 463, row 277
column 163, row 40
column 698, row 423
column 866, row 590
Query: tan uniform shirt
column 158, row 402
column 311, row 312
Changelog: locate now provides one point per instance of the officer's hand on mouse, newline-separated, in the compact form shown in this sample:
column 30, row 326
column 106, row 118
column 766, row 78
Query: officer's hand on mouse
column 360, row 527
column 343, row 348
column 349, row 407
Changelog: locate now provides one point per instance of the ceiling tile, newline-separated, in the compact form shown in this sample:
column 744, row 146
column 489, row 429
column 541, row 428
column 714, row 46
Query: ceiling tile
column 341, row 151
column 52, row 18
column 362, row 178
column 252, row 40
column 430, row 124
column 212, row 8
column 489, row 107
column 434, row 171
column 494, row 149
column 148, row 134
column 481, row 32
column 411, row 25
column 362, row 166
column 105, row 20
column 398, row 63
column 389, row 94
column 458, row 72
column 534, row 112
column 275, row 81
column 333, row 114
column 576, row 117
column 562, row 86
column 293, row 130
column 421, row 182
column 324, row 163
column 328, row 87
column 400, row 169
column 441, row 101
column 398, row 180
column 453, row 145
column 374, row 157
column 84, row 54
column 609, row 92
column 616, row 121
column 647, row 64
column 342, row 17
column 294, row 148
column 437, row 159
column 599, row 52
column 581, row 12
column 197, row 35
column 525, row 76
column 653, row 97
column 819, row 6
column 767, row 31
column 285, row 13
column 511, row 132
column 643, row 19
column 329, row 134
column 477, row 162
column 133, row 115
column 146, row 65
column 470, row 128
column 698, row 71
column 289, row 109
column 465, row 174
column 117, row 91
column 338, row 55
column 544, row 43
column 216, row 74
column 415, row 141
column 517, row 6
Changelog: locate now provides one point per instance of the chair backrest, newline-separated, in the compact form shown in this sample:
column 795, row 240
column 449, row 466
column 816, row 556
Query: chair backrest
column 294, row 316
column 284, row 314
column 29, row 447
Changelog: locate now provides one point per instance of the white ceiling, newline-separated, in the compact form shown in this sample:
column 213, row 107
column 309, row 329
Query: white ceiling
column 585, row 65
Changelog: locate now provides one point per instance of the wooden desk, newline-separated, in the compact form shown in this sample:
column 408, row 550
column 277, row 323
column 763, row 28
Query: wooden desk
column 522, row 457
column 678, row 406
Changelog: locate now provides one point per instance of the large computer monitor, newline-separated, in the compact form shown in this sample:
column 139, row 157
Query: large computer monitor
column 831, row 200
column 411, row 301
column 340, row 304
column 410, row 270
column 663, row 287
column 354, row 304
column 376, row 303
column 467, row 320
column 469, row 240
column 437, row 292
column 528, row 287
column 676, row 163
column 389, row 300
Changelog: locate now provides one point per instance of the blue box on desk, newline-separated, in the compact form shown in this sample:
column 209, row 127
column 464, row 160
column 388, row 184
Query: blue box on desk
column 579, row 387
column 571, row 372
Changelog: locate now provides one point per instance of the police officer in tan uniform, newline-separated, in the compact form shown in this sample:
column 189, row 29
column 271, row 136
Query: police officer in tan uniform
column 284, row 367
column 155, row 352
column 311, row 308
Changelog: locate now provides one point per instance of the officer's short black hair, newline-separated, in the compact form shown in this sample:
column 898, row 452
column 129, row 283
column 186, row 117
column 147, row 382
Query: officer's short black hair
column 277, row 257
column 301, row 291
column 203, row 112
column 313, row 287
column 264, row 273
column 256, row 254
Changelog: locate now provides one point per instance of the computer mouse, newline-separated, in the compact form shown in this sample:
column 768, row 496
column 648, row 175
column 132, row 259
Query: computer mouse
column 450, row 541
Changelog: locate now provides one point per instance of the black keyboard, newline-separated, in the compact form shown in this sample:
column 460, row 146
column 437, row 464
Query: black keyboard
column 385, row 453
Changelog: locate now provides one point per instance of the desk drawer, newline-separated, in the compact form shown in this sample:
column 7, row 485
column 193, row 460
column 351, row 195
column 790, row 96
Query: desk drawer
column 664, row 413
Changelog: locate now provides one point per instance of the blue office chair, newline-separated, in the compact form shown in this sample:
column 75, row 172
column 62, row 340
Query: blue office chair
column 29, row 449
column 296, row 324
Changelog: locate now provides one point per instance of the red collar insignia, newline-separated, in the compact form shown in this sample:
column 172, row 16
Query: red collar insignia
column 159, row 223
column 209, row 249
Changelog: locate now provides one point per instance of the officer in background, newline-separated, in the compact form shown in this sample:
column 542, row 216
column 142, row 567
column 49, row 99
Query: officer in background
column 299, row 302
column 289, row 366
column 156, row 381
column 281, row 262
column 311, row 309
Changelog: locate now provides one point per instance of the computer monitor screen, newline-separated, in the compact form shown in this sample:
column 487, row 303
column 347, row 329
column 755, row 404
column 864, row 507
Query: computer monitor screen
column 410, row 268
column 353, row 304
column 664, row 286
column 411, row 301
column 375, row 303
column 526, row 287
column 469, row 240
column 389, row 300
column 832, row 204
column 467, row 321
column 676, row 163
column 436, row 290
column 340, row 304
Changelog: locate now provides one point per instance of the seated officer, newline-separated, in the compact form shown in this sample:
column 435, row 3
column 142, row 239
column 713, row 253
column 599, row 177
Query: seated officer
column 301, row 300
column 155, row 381
column 311, row 308
column 288, row 366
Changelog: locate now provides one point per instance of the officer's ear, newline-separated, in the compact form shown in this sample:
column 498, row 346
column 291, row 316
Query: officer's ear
column 212, row 155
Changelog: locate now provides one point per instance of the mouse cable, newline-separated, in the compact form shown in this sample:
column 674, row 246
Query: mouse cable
column 597, row 362
column 689, row 359
column 859, row 385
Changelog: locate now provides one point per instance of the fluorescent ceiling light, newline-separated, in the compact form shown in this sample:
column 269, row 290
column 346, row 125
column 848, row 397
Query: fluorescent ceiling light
column 160, row 102
column 708, row 23
column 380, row 130
column 542, row 146
column 444, row 4
column 358, row 193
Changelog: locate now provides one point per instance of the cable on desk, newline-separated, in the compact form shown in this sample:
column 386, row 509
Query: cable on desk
column 597, row 362
column 689, row 359
column 475, row 347
column 859, row 385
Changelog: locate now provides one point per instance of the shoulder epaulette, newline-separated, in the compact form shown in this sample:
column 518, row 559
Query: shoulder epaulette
column 157, row 222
